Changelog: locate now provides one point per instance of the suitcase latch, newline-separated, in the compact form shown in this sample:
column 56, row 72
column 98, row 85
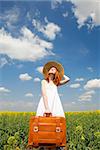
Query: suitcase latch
column 35, row 129
column 58, row 129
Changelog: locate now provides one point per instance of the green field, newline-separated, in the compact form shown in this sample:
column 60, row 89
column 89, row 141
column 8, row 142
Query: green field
column 83, row 130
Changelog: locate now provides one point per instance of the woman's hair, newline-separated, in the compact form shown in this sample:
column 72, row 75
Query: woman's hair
column 56, row 79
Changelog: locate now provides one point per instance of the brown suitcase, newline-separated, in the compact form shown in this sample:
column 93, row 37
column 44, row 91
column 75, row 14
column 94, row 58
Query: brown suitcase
column 47, row 130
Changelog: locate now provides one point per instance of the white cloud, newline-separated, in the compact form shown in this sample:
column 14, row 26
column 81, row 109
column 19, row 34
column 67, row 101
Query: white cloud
column 40, row 69
column 50, row 30
column 29, row 95
column 73, row 102
column 79, row 79
column 10, row 17
column 85, row 15
column 76, row 85
column 25, row 77
column 87, row 96
column 4, row 90
column 37, row 79
column 92, row 84
column 65, row 14
column 82, row 12
column 55, row 3
column 16, row 105
column 30, row 13
column 26, row 47
column 28, row 16
column 90, row 69
column 84, row 51
column 20, row 66
column 3, row 62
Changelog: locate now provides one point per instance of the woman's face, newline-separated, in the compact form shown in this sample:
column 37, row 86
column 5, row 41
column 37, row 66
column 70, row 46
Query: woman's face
column 52, row 70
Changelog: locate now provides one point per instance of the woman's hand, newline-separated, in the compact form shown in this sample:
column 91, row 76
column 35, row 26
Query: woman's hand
column 66, row 79
column 47, row 113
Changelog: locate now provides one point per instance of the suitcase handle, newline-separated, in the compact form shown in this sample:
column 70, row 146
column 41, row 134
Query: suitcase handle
column 47, row 114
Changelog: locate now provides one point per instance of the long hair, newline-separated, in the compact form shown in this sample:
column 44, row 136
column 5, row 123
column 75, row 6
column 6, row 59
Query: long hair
column 56, row 79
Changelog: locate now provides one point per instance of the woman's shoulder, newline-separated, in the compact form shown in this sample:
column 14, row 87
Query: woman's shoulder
column 43, row 81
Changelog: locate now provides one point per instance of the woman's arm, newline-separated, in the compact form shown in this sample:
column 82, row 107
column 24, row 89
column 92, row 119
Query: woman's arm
column 66, row 79
column 45, row 99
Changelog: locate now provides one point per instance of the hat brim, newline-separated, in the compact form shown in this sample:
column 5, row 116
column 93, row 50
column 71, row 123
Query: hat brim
column 50, row 64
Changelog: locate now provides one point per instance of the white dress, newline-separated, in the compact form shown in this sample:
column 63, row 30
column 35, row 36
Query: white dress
column 54, row 102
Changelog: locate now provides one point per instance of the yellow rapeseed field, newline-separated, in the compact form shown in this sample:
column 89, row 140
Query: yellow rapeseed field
column 83, row 130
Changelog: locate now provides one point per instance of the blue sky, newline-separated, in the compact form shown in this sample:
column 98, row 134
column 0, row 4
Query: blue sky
column 35, row 32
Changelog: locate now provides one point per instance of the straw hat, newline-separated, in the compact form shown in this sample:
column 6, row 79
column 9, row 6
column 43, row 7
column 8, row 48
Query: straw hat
column 50, row 64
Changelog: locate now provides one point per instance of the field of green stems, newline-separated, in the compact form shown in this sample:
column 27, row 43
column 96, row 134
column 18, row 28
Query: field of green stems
column 83, row 130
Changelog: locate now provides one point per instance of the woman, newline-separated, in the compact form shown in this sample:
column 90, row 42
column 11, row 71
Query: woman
column 50, row 101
